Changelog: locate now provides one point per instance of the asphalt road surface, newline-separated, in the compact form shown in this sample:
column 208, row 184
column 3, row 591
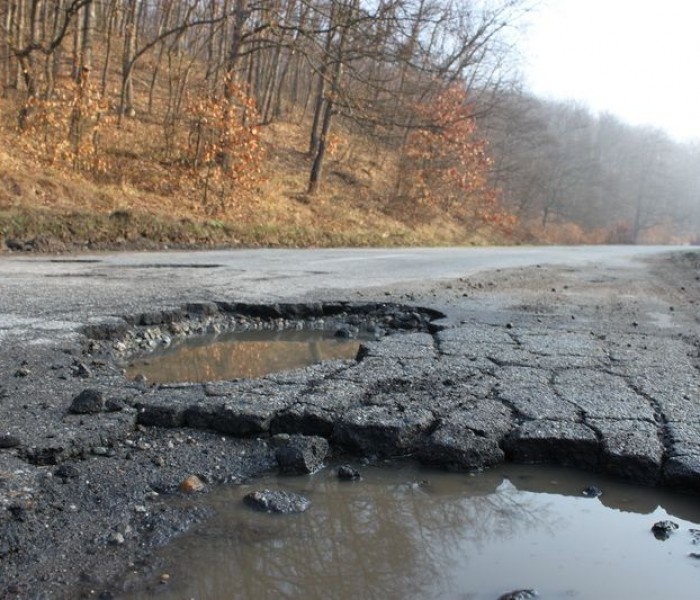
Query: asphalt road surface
column 55, row 294
column 580, row 356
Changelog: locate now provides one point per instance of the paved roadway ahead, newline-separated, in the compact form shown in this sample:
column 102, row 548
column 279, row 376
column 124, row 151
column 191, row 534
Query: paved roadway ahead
column 54, row 293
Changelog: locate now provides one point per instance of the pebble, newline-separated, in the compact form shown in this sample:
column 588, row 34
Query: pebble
column 277, row 501
column 115, row 539
column 348, row 473
column 81, row 370
column 519, row 595
column 662, row 530
column 22, row 372
column 592, row 492
column 191, row 484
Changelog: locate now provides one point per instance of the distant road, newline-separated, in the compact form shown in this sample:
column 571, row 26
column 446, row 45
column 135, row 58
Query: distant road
column 67, row 289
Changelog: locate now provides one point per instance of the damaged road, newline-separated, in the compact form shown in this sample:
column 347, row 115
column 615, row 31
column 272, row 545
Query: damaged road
column 590, row 363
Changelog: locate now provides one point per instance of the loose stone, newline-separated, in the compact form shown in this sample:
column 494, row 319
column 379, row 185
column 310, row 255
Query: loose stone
column 277, row 501
column 115, row 539
column 347, row 473
column 519, row 595
column 115, row 405
column 592, row 492
column 191, row 484
column 662, row 530
column 81, row 370
column 23, row 372
column 89, row 401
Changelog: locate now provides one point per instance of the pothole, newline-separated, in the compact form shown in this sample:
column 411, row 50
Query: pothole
column 208, row 341
column 415, row 533
column 245, row 355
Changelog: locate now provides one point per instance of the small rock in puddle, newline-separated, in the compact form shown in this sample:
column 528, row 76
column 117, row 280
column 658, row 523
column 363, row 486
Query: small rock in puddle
column 662, row 530
column 277, row 501
column 519, row 595
column 695, row 534
column 592, row 492
column 347, row 473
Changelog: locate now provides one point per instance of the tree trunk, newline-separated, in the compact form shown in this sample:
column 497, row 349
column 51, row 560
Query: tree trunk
column 111, row 26
column 317, row 167
column 126, row 103
column 76, row 61
column 328, row 111
column 314, row 139
column 240, row 17
column 7, row 64
column 20, row 19
column 88, row 30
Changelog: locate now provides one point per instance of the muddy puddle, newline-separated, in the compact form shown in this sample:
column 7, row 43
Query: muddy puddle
column 242, row 355
column 409, row 533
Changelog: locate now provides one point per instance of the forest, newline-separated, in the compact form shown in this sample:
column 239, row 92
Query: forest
column 312, row 122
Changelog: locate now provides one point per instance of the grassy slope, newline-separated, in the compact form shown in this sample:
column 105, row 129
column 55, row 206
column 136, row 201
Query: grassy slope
column 46, row 208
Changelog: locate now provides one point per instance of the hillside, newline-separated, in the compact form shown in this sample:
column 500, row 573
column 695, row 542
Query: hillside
column 48, row 207
column 132, row 124
column 252, row 123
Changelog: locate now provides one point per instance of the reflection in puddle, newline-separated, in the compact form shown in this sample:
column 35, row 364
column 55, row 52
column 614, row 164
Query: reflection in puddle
column 412, row 533
column 240, row 355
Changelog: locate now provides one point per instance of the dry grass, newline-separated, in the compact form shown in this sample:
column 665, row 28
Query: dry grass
column 138, row 203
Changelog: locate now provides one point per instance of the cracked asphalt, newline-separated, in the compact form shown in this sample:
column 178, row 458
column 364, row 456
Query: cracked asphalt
column 587, row 360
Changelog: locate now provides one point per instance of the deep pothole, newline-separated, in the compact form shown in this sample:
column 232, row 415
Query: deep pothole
column 396, row 423
column 416, row 533
column 222, row 341
column 246, row 354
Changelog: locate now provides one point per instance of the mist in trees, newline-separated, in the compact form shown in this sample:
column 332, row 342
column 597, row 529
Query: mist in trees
column 570, row 175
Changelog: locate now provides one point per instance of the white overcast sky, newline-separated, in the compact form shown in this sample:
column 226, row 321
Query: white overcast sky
column 639, row 60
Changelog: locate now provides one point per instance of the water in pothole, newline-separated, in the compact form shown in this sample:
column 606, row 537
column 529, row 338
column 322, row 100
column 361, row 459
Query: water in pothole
column 241, row 355
column 412, row 533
